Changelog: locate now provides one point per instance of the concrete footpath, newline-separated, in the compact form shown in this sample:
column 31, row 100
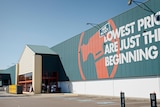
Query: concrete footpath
column 67, row 99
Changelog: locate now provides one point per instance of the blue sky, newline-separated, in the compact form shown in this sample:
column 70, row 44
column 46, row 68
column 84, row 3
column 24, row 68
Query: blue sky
column 49, row 22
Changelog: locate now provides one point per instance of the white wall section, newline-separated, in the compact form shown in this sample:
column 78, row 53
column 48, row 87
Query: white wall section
column 136, row 87
column 26, row 62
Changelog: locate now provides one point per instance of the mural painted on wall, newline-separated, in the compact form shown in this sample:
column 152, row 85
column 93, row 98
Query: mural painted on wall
column 129, row 49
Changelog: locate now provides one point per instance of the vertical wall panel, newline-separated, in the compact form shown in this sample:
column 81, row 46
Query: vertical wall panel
column 37, row 74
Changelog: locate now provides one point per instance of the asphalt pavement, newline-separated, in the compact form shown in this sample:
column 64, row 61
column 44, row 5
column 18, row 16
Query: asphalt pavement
column 67, row 100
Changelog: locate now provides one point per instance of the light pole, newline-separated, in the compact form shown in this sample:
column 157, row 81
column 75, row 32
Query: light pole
column 138, row 4
column 94, row 25
column 146, row 8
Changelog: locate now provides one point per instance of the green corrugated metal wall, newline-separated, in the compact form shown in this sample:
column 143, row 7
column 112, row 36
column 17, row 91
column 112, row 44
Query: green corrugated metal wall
column 68, row 55
column 11, row 71
column 76, row 68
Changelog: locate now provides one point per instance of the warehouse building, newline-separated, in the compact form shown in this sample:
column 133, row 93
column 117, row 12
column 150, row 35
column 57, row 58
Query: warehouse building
column 7, row 76
column 118, row 55
column 39, row 67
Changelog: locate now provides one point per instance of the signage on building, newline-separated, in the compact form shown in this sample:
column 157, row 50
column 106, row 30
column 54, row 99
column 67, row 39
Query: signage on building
column 119, row 49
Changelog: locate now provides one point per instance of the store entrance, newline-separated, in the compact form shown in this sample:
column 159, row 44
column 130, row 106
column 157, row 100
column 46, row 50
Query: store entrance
column 49, row 82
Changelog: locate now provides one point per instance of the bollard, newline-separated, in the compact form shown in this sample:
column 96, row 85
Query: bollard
column 122, row 99
column 153, row 100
